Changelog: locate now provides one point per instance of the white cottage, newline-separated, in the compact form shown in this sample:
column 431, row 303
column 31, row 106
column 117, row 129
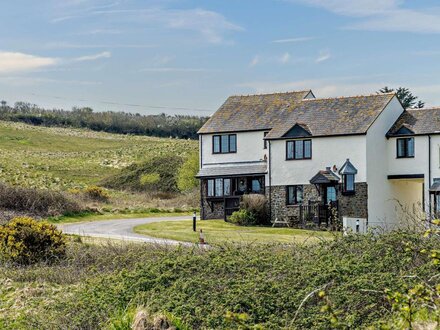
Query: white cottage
column 364, row 156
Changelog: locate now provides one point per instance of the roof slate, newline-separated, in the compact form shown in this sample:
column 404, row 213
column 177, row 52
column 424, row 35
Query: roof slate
column 252, row 112
column 232, row 170
column 333, row 116
column 419, row 121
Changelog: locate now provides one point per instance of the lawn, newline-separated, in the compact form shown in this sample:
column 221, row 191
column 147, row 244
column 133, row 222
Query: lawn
column 88, row 217
column 219, row 231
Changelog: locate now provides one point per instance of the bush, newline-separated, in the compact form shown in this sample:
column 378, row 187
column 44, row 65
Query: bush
column 253, row 211
column 186, row 179
column 97, row 193
column 150, row 179
column 130, row 178
column 35, row 201
column 243, row 218
column 27, row 241
column 257, row 205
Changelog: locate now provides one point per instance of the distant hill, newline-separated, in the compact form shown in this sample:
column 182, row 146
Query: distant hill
column 66, row 158
column 179, row 126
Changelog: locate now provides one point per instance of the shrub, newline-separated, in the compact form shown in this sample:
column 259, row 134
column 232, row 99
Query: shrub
column 130, row 177
column 243, row 218
column 97, row 193
column 35, row 201
column 256, row 213
column 186, row 179
column 150, row 179
column 27, row 241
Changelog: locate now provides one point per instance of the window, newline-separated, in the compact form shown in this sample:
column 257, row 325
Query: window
column 294, row 194
column 218, row 187
column 265, row 141
column 405, row 148
column 256, row 186
column 348, row 186
column 299, row 149
column 224, row 144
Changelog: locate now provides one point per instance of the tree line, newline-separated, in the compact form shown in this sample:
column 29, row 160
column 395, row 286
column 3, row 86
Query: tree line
column 162, row 125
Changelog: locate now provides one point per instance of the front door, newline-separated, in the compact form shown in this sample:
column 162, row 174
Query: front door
column 329, row 197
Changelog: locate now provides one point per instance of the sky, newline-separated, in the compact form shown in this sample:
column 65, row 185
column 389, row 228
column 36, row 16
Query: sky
column 188, row 56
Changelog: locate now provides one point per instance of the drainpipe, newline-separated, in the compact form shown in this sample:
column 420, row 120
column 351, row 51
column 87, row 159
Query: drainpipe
column 270, row 180
column 429, row 174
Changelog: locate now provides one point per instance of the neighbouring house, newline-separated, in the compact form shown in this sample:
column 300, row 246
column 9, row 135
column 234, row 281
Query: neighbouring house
column 363, row 156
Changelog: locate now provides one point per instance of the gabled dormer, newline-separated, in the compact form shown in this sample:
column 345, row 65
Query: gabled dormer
column 298, row 131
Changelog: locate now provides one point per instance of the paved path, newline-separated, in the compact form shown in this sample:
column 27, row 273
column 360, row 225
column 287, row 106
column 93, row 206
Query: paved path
column 120, row 229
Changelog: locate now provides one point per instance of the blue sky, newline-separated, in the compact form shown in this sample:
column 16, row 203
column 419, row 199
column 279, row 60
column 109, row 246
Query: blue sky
column 130, row 55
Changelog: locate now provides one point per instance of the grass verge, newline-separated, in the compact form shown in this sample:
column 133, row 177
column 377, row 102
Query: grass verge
column 218, row 231
column 88, row 217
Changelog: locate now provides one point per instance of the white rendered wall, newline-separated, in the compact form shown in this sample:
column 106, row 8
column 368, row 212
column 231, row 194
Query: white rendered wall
column 381, row 205
column 250, row 148
column 326, row 152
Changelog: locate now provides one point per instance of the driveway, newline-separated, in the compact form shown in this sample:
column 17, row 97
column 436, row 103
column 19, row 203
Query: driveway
column 120, row 229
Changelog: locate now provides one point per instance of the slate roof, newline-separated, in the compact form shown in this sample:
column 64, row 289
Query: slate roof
column 333, row 116
column 252, row 112
column 212, row 171
column 419, row 121
column 325, row 176
column 348, row 168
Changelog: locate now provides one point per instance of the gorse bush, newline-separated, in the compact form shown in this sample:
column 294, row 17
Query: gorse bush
column 160, row 174
column 35, row 201
column 97, row 193
column 249, row 286
column 27, row 241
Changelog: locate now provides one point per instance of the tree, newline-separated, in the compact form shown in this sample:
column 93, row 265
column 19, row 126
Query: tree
column 408, row 100
column 186, row 179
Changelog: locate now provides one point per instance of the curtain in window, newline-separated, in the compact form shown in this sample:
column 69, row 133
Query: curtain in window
column 210, row 188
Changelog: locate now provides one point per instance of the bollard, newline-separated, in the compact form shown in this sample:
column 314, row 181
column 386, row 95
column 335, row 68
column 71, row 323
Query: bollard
column 194, row 221
column 201, row 237
column 357, row 226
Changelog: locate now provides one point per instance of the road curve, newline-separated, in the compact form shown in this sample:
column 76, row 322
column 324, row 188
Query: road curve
column 120, row 229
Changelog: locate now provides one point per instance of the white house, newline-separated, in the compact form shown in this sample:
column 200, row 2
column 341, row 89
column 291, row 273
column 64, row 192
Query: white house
column 364, row 156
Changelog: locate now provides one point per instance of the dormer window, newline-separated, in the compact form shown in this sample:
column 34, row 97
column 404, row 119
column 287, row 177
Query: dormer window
column 348, row 173
column 224, row 144
column 405, row 147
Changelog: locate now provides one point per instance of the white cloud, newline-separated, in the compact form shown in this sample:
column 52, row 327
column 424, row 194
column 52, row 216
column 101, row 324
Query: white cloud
column 384, row 15
column 211, row 25
column 171, row 69
column 285, row 58
column 67, row 45
column 93, row 57
column 324, row 55
column 293, row 40
column 20, row 62
column 255, row 60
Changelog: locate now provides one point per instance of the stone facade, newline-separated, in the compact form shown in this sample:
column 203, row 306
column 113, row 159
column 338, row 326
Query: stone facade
column 211, row 208
column 349, row 205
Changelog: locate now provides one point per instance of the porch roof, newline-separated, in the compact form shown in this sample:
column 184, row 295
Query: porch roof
column 435, row 188
column 326, row 176
column 234, row 170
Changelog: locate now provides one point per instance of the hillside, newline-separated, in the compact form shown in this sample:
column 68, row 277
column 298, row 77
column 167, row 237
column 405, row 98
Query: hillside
column 65, row 158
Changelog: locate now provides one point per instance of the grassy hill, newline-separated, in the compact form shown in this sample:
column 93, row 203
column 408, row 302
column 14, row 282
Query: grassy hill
column 65, row 158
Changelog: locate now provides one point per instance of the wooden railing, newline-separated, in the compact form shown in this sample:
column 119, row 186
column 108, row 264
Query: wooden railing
column 314, row 214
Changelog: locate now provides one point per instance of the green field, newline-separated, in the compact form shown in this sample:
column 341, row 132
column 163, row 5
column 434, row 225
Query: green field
column 65, row 158
column 219, row 231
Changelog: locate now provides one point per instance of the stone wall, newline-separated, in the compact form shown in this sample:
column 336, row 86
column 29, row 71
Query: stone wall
column 352, row 206
column 211, row 209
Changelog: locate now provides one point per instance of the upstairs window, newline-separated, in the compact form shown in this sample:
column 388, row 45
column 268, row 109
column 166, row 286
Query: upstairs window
column 224, row 144
column 294, row 195
column 299, row 149
column 405, row 148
